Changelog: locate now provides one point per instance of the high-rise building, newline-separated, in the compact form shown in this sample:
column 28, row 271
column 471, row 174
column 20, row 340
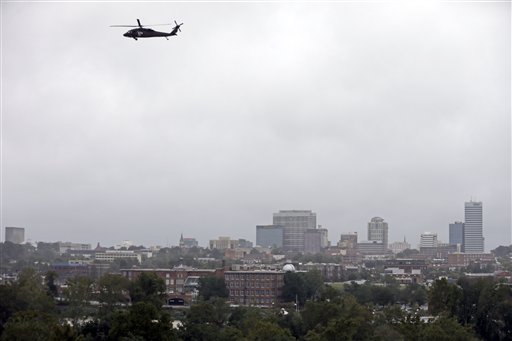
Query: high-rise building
column 456, row 231
column 269, row 236
column 428, row 239
column 378, row 231
column 15, row 235
column 294, row 223
column 312, row 241
column 473, row 227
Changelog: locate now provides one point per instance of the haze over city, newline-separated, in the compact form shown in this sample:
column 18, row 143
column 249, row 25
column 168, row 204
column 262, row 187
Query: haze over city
column 351, row 110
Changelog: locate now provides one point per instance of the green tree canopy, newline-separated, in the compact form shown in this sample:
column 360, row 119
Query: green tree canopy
column 112, row 291
column 212, row 287
column 141, row 321
column 148, row 287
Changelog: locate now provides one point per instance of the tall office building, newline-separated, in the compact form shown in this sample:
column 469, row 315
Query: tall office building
column 378, row 231
column 294, row 223
column 269, row 236
column 312, row 241
column 315, row 240
column 15, row 235
column 456, row 231
column 473, row 227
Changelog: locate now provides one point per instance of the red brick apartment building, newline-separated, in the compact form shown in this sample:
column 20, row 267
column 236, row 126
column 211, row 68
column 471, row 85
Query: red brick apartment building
column 257, row 288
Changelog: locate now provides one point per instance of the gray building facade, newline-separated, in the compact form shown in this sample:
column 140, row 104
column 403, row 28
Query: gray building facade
column 295, row 223
column 456, row 234
column 312, row 241
column 269, row 236
column 15, row 235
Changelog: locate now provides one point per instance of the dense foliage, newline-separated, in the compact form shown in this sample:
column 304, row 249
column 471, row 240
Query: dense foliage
column 465, row 310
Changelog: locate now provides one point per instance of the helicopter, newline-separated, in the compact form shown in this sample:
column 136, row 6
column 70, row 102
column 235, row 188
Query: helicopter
column 142, row 32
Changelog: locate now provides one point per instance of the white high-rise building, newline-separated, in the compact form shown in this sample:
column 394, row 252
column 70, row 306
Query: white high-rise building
column 428, row 239
column 473, row 227
column 294, row 223
column 378, row 231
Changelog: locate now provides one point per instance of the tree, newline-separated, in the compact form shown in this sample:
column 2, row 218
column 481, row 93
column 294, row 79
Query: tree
column 444, row 296
column 8, row 303
column 113, row 291
column 49, row 280
column 212, row 287
column 142, row 321
column 148, row 287
column 206, row 320
column 493, row 316
column 383, row 295
column 317, row 314
column 301, row 286
column 262, row 330
column 37, row 326
column 78, row 294
column 294, row 288
column 352, row 323
column 314, row 284
column 31, row 294
column 28, row 293
column 446, row 329
column 258, row 324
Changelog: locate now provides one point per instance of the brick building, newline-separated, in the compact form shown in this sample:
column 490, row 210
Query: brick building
column 259, row 288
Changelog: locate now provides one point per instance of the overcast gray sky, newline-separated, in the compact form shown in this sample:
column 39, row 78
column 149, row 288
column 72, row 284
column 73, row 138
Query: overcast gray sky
column 352, row 110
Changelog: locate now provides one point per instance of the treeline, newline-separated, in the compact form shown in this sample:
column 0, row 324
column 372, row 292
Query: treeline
column 484, row 305
column 113, row 308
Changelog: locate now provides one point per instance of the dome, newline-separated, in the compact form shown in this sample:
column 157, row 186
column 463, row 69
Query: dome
column 289, row 268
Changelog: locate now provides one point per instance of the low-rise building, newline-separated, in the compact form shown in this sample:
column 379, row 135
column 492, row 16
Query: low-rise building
column 407, row 264
column 459, row 259
column 223, row 243
column 397, row 247
column 440, row 251
column 331, row 272
column 111, row 255
column 373, row 247
column 257, row 288
column 403, row 277
column 67, row 246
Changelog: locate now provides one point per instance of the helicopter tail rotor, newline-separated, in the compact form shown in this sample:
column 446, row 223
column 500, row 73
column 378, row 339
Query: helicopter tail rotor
column 177, row 26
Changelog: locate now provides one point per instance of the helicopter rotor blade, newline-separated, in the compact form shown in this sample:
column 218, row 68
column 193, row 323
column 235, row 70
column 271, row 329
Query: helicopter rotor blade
column 178, row 25
column 138, row 22
column 124, row 26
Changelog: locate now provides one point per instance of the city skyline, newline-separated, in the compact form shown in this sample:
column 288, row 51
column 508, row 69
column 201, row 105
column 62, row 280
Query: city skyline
column 376, row 228
column 377, row 109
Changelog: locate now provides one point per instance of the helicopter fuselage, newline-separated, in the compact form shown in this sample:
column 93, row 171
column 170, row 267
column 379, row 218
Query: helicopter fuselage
column 147, row 33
